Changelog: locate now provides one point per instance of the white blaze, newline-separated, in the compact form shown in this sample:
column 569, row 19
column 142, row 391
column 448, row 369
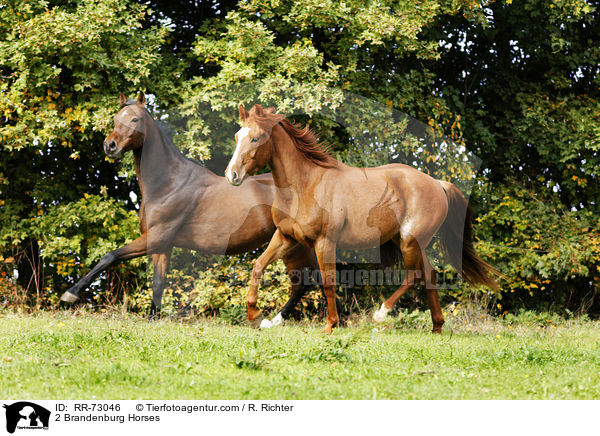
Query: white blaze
column 242, row 133
column 124, row 116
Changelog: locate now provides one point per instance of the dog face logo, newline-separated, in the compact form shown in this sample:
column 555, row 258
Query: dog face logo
column 26, row 415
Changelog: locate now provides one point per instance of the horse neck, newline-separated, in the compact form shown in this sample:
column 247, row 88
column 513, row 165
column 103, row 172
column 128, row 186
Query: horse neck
column 289, row 166
column 157, row 163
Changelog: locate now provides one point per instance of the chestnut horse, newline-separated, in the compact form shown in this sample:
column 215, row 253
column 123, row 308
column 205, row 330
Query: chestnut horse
column 322, row 204
column 186, row 205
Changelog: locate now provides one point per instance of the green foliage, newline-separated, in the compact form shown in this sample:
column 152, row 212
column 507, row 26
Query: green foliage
column 235, row 315
column 415, row 319
column 218, row 285
column 544, row 249
column 74, row 236
column 529, row 106
column 531, row 318
column 11, row 295
column 62, row 66
column 59, row 61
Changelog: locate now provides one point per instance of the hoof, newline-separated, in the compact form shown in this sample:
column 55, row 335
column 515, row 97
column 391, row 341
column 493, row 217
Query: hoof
column 327, row 330
column 256, row 322
column 275, row 322
column 265, row 324
column 381, row 314
column 437, row 330
column 278, row 320
column 67, row 297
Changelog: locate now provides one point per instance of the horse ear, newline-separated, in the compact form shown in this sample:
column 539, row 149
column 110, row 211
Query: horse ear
column 141, row 98
column 122, row 99
column 258, row 110
column 243, row 113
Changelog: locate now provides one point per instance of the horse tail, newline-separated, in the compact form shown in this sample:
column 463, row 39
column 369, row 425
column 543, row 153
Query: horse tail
column 456, row 238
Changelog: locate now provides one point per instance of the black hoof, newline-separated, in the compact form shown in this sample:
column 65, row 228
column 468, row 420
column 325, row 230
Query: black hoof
column 154, row 314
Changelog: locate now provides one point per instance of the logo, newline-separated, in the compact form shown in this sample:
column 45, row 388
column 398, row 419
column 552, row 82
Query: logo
column 26, row 415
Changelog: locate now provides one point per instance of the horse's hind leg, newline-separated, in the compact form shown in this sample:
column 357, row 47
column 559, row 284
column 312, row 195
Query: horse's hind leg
column 413, row 262
column 432, row 296
column 418, row 268
column 161, row 266
column 137, row 248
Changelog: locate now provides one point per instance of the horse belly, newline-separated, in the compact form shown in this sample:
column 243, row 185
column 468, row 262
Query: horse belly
column 204, row 239
column 228, row 235
column 370, row 223
column 359, row 237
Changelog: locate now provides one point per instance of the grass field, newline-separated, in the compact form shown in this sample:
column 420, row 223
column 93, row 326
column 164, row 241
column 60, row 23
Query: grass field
column 68, row 355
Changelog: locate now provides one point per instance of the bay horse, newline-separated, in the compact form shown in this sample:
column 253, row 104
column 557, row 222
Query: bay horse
column 323, row 204
column 186, row 205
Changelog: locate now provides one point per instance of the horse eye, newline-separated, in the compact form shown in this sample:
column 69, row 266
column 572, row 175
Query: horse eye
column 135, row 120
column 254, row 139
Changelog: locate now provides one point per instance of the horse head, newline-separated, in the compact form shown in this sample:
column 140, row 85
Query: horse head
column 253, row 143
column 130, row 127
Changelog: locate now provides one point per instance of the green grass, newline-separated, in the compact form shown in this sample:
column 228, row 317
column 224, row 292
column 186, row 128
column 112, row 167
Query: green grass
column 119, row 356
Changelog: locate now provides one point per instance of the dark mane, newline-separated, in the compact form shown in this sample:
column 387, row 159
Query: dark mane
column 163, row 132
column 304, row 138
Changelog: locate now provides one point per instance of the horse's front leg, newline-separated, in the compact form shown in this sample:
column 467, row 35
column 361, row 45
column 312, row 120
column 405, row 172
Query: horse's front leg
column 161, row 266
column 277, row 248
column 137, row 248
column 300, row 263
column 325, row 250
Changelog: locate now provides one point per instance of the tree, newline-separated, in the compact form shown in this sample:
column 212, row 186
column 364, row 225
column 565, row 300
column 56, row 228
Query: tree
column 525, row 85
column 62, row 67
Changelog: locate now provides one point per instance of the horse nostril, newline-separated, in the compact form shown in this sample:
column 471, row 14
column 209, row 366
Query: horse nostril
column 112, row 145
column 235, row 176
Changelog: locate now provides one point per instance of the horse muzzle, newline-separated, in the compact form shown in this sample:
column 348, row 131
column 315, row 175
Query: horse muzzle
column 111, row 148
column 234, row 177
